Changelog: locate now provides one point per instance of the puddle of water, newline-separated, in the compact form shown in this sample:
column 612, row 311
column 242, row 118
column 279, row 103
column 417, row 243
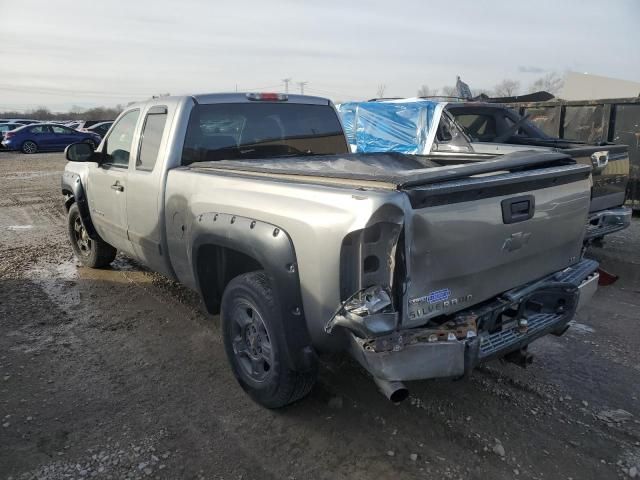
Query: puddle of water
column 16, row 228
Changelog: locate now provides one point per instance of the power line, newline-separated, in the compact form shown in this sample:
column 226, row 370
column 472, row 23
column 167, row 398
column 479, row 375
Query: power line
column 330, row 92
column 301, row 85
column 261, row 88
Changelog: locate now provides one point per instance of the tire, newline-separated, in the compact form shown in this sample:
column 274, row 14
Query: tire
column 29, row 147
column 254, row 348
column 91, row 253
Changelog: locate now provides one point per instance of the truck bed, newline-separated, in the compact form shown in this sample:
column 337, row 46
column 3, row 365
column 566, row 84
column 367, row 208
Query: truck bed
column 394, row 170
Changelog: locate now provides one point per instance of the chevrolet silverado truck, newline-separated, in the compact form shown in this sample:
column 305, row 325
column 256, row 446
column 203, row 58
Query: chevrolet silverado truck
column 458, row 132
column 419, row 270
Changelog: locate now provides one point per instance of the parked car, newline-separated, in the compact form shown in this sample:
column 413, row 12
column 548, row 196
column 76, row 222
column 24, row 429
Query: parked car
column 23, row 121
column 419, row 269
column 85, row 124
column 6, row 127
column 46, row 137
column 100, row 128
column 451, row 132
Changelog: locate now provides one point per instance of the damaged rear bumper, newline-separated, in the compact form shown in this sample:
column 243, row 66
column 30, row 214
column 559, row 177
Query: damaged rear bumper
column 607, row 221
column 491, row 330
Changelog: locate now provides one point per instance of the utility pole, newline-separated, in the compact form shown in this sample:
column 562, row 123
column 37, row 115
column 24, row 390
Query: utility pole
column 301, row 85
column 286, row 84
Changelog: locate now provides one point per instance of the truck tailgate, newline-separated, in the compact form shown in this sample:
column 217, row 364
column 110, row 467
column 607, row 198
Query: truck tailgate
column 472, row 238
column 610, row 173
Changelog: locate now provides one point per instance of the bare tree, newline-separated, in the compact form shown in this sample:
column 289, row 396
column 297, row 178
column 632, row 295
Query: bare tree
column 43, row 113
column 425, row 91
column 380, row 92
column 507, row 88
column 449, row 91
column 551, row 83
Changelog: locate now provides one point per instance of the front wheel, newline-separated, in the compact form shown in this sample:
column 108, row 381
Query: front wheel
column 255, row 349
column 93, row 253
column 29, row 147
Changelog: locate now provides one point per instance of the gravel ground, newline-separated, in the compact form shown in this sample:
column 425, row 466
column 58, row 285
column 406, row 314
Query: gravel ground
column 116, row 374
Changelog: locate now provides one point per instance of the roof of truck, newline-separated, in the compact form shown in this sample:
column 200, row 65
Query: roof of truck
column 242, row 97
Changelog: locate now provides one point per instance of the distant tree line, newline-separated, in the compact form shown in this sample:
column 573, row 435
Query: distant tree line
column 76, row 113
column 551, row 83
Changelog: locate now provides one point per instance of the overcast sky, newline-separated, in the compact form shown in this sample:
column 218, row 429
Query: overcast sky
column 68, row 52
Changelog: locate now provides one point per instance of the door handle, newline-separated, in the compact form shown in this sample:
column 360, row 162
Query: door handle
column 117, row 187
column 599, row 160
column 518, row 209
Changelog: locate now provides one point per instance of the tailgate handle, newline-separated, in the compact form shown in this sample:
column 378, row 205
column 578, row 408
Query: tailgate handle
column 599, row 160
column 518, row 209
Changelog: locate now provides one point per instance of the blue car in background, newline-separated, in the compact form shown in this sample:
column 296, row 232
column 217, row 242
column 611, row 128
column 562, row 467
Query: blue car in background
column 46, row 137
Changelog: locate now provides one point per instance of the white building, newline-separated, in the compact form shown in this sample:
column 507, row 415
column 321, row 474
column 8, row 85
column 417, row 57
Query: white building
column 583, row 86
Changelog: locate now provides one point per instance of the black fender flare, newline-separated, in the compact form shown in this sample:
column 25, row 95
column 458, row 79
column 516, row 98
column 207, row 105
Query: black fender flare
column 71, row 182
column 272, row 247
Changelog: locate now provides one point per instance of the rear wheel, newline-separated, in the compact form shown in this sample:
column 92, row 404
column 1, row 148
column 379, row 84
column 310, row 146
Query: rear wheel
column 29, row 147
column 254, row 348
column 94, row 253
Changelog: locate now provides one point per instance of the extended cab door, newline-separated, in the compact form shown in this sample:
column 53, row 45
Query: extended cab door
column 145, row 189
column 107, row 183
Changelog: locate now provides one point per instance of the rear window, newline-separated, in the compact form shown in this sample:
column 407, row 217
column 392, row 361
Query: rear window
column 478, row 126
column 260, row 130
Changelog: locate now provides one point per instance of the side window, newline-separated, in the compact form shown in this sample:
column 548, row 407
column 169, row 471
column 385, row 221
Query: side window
column 40, row 129
column 449, row 138
column 151, row 138
column 118, row 144
column 62, row 130
column 478, row 126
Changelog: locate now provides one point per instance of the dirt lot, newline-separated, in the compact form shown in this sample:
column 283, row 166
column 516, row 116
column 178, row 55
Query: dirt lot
column 117, row 374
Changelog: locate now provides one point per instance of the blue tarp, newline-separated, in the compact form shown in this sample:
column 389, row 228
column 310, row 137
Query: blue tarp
column 388, row 126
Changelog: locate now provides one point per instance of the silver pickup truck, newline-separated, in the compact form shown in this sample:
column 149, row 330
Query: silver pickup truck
column 418, row 270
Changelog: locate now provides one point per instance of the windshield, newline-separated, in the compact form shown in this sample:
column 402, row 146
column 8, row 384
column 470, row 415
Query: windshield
column 260, row 130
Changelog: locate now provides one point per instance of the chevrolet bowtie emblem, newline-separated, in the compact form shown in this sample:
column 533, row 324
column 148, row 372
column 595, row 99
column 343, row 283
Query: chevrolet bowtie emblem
column 516, row 241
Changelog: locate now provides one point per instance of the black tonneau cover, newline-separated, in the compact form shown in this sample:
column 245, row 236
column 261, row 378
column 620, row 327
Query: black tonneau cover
column 404, row 171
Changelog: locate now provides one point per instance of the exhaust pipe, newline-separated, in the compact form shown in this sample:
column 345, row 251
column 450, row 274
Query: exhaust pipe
column 394, row 391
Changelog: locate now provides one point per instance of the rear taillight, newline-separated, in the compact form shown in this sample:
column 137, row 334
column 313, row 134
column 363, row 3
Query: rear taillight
column 268, row 97
column 8, row 135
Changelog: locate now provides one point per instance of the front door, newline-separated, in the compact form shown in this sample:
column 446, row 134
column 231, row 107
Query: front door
column 41, row 134
column 107, row 183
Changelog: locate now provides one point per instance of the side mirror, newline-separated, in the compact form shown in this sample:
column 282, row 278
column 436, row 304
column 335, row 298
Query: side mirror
column 78, row 152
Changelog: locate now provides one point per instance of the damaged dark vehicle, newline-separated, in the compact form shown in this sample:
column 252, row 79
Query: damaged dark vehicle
column 496, row 129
